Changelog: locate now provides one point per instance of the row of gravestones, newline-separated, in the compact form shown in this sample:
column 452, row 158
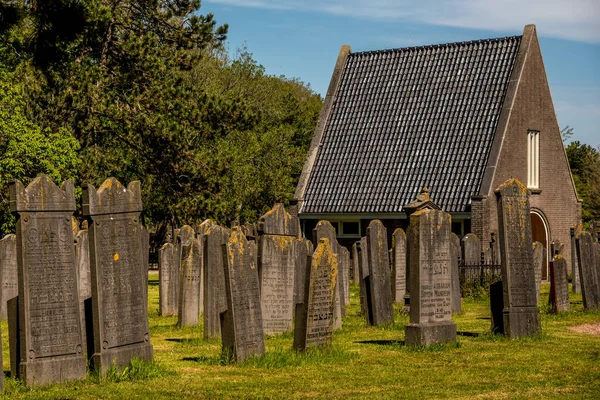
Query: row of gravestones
column 281, row 280
column 73, row 297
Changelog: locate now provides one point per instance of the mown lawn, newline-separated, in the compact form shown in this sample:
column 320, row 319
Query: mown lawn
column 365, row 362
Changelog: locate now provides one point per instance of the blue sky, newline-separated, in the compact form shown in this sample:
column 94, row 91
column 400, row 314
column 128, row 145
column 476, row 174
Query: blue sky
column 302, row 39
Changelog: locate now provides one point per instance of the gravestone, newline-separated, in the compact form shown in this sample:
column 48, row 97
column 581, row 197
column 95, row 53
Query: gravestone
column 344, row 269
column 315, row 317
column 355, row 263
column 471, row 256
column 215, row 301
column 521, row 316
column 8, row 272
column 575, row 287
column 431, row 280
column 277, row 221
column 363, row 273
column 398, row 265
column 587, row 262
column 304, row 248
column 84, row 277
column 119, row 274
column 241, row 325
column 559, row 285
column 189, row 283
column 200, row 234
column 455, row 273
column 50, row 342
column 324, row 229
column 538, row 264
column 382, row 308
column 168, row 281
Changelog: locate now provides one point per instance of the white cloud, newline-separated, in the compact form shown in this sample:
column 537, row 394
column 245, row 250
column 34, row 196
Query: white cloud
column 567, row 19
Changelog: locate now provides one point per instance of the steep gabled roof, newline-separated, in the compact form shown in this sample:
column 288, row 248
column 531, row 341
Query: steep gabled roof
column 404, row 119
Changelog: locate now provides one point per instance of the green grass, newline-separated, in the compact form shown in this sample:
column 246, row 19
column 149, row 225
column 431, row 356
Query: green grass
column 365, row 362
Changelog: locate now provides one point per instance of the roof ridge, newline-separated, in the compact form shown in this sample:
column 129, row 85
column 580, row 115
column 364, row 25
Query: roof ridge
column 435, row 46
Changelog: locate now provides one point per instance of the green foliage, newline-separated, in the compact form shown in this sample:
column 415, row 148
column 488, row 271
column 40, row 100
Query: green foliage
column 584, row 161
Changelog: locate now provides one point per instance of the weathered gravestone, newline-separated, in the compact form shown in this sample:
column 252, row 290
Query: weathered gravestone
column 48, row 332
column 304, row 248
column 380, row 291
column 241, row 325
column 189, row 283
column 431, row 281
column 539, row 255
column 276, row 269
column 324, row 229
column 398, row 265
column 168, row 281
column 521, row 316
column 119, row 274
column 355, row 262
column 315, row 317
column 344, row 269
column 200, row 234
column 9, row 287
column 586, row 256
column 455, row 273
column 575, row 287
column 363, row 274
column 559, row 285
column 471, row 256
column 84, row 277
column 215, row 301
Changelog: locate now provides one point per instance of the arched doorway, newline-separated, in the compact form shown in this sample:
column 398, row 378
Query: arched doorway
column 539, row 233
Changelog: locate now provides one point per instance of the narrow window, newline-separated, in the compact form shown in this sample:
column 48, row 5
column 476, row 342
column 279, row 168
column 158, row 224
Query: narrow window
column 533, row 159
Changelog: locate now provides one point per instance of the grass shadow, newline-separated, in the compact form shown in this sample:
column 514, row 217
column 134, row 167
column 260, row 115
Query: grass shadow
column 383, row 342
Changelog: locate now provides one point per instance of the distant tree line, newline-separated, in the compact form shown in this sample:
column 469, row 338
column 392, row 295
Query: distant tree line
column 146, row 90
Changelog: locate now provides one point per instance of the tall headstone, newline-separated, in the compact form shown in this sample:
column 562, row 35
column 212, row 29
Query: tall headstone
column 559, row 285
column 471, row 255
column 431, row 281
column 588, row 275
column 119, row 274
column 84, row 277
column 344, row 269
column 398, row 265
column 455, row 254
column 363, row 273
column 538, row 264
column 382, row 304
column 9, row 287
column 49, row 316
column 314, row 318
column 521, row 316
column 304, row 248
column 168, row 281
column 189, row 283
column 215, row 301
column 355, row 262
column 324, row 229
column 575, row 287
column 241, row 325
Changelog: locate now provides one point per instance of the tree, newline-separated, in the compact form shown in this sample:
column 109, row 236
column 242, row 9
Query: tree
column 584, row 161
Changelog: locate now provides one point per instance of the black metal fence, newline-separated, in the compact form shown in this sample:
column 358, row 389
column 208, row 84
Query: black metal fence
column 481, row 273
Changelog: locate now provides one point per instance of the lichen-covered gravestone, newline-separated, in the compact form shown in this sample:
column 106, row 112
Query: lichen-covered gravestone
column 304, row 248
column 398, row 265
column 215, row 301
column 276, row 269
column 324, row 229
column 431, row 281
column 315, row 317
column 168, row 281
column 8, row 272
column 455, row 254
column 587, row 262
column 559, row 285
column 539, row 254
column 119, row 274
column 189, row 283
column 49, row 316
column 241, row 325
column 382, row 304
column 520, row 314
column 84, row 277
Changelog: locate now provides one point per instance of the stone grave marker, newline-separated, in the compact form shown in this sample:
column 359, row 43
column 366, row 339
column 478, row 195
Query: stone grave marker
column 84, row 277
column 574, row 266
column 324, row 229
column 471, row 255
column 398, row 265
column 304, row 248
column 455, row 273
column 315, row 317
column 215, row 301
column 277, row 221
column 431, row 280
column 587, row 262
column 241, row 325
column 382, row 308
column 344, row 269
column 363, row 272
column 521, row 316
column 47, row 332
column 189, row 283
column 8, row 272
column 538, row 264
column 119, row 274
column 168, row 281
column 355, row 262
column 559, row 285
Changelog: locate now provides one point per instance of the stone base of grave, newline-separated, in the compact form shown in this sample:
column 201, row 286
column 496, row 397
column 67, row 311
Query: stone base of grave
column 54, row 370
column 520, row 322
column 428, row 334
column 121, row 356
